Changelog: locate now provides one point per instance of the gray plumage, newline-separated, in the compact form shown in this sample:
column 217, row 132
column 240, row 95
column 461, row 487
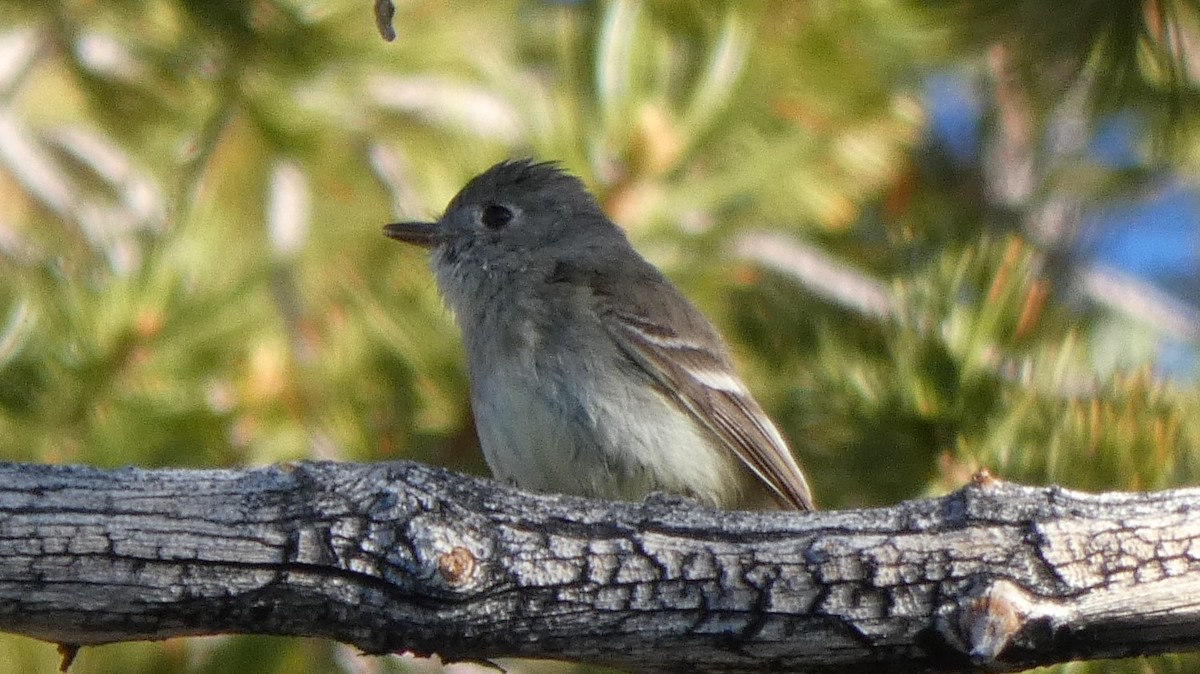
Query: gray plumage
column 590, row 372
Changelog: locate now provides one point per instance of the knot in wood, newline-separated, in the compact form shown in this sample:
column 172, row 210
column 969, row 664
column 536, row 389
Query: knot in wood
column 457, row 566
column 989, row 620
column 983, row 478
column 992, row 617
column 450, row 552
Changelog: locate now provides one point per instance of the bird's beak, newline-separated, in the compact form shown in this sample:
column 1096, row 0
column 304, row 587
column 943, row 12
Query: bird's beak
column 416, row 233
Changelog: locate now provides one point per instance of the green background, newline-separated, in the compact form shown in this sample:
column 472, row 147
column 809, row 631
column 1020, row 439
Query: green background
column 192, row 271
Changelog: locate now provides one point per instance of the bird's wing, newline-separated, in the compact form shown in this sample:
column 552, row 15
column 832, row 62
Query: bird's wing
column 697, row 373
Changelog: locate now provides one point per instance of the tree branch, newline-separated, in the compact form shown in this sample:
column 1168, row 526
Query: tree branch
column 404, row 557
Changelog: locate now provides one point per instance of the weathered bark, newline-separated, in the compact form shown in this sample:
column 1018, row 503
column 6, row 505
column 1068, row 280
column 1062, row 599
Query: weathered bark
column 404, row 557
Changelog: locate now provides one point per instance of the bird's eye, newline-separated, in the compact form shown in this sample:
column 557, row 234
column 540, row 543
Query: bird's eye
column 496, row 216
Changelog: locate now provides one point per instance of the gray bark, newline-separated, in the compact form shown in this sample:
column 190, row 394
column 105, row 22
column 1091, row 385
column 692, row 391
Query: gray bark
column 404, row 557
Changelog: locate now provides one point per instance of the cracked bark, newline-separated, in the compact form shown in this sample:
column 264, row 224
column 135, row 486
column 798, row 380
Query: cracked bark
column 404, row 557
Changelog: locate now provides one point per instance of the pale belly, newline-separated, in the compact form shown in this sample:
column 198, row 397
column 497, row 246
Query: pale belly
column 605, row 440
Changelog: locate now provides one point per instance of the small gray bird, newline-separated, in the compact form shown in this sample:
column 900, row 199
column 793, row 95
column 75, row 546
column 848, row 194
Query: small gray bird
column 591, row 374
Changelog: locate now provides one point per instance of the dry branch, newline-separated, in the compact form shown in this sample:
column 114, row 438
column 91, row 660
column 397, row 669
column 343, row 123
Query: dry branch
column 404, row 557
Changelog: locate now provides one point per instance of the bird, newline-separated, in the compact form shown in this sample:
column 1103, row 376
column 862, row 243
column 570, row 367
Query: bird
column 590, row 372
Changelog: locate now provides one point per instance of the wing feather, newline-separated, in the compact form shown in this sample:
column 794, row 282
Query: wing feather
column 701, row 379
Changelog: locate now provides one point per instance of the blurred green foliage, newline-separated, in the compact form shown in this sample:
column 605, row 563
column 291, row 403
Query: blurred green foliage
column 192, row 271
